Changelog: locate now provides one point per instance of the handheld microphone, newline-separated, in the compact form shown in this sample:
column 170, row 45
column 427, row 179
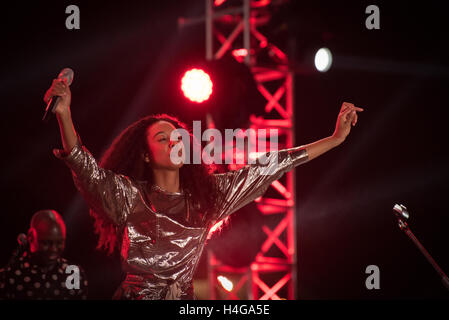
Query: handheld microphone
column 67, row 75
column 20, row 249
column 22, row 240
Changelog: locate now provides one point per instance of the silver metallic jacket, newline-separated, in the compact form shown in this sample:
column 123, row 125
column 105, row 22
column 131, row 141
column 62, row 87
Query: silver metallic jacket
column 160, row 245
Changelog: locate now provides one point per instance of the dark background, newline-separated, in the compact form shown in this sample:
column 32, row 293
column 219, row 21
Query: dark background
column 127, row 57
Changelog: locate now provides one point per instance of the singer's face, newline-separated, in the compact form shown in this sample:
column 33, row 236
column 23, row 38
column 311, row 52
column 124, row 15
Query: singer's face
column 160, row 146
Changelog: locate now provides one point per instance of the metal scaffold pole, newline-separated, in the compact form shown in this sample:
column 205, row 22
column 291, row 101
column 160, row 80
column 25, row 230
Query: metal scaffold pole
column 267, row 274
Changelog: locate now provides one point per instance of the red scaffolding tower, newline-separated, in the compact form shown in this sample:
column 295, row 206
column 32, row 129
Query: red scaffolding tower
column 273, row 273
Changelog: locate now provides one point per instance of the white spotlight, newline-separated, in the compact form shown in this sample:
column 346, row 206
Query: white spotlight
column 323, row 59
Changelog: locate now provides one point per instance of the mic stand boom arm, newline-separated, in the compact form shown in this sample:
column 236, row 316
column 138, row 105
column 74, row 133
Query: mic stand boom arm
column 404, row 227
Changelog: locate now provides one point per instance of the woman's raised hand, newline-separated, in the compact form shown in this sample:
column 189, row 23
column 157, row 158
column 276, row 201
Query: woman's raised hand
column 346, row 118
column 68, row 134
column 60, row 88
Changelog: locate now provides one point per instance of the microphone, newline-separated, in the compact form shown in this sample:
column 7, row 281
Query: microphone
column 23, row 244
column 401, row 211
column 67, row 75
column 22, row 240
column 20, row 249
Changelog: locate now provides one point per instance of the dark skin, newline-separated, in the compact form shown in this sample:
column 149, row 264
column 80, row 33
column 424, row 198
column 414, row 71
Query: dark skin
column 46, row 237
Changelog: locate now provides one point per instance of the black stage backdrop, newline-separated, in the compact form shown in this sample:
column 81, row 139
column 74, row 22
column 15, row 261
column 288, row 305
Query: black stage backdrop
column 123, row 54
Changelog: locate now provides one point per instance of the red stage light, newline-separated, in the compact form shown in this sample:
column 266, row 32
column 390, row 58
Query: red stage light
column 196, row 85
column 240, row 52
column 218, row 2
column 225, row 283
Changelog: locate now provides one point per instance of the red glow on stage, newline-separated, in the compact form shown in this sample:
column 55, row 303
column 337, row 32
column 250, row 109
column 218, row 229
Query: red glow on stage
column 216, row 227
column 260, row 3
column 240, row 52
column 225, row 283
column 218, row 2
column 196, row 85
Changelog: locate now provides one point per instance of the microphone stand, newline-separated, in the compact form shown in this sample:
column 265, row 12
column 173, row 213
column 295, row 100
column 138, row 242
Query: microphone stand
column 402, row 214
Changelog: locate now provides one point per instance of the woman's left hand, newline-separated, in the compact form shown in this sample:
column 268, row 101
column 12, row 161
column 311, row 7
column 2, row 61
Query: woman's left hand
column 346, row 118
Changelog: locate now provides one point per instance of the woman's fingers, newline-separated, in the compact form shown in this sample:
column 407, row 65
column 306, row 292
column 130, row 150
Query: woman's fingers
column 354, row 120
column 349, row 113
column 351, row 108
column 346, row 113
column 57, row 92
column 347, row 105
column 349, row 116
column 58, row 88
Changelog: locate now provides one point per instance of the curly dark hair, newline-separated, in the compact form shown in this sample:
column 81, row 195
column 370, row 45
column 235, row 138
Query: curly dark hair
column 125, row 156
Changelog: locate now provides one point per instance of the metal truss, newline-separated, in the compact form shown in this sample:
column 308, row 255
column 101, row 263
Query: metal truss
column 272, row 275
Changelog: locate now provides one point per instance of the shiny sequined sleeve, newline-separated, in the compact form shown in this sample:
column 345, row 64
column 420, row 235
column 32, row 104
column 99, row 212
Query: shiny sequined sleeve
column 110, row 194
column 250, row 182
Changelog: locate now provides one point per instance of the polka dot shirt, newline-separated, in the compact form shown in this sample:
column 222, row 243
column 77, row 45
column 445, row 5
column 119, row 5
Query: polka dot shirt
column 24, row 280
